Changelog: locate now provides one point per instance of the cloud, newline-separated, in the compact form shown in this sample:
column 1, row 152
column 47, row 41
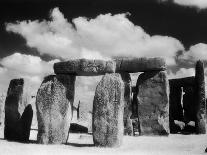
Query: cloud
column 102, row 37
column 200, row 4
column 31, row 68
column 181, row 73
column 196, row 52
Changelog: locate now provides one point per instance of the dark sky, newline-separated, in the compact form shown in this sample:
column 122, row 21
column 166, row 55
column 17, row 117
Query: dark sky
column 189, row 25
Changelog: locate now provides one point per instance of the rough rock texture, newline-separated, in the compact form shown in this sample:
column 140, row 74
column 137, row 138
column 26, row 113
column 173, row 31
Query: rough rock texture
column 200, row 98
column 175, row 107
column 153, row 98
column 18, row 113
column 84, row 67
column 54, row 108
column 132, row 65
column 108, row 109
column 128, row 128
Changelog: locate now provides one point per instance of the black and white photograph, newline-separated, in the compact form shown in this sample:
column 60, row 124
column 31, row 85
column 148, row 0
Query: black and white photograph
column 103, row 77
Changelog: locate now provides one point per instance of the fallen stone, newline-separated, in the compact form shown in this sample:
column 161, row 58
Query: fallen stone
column 128, row 128
column 153, row 99
column 84, row 67
column 200, row 98
column 108, row 109
column 54, row 103
column 133, row 65
column 16, row 125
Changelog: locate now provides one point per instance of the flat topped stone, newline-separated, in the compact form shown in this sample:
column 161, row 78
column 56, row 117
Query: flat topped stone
column 84, row 67
column 133, row 65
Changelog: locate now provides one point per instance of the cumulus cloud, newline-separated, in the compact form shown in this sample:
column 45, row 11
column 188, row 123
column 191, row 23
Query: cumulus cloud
column 17, row 65
column 201, row 4
column 102, row 37
column 181, row 73
column 196, row 52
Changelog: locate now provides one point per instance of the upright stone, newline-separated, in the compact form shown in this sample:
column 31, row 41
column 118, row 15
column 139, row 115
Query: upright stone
column 153, row 98
column 17, row 126
column 200, row 98
column 108, row 109
column 54, row 103
column 128, row 128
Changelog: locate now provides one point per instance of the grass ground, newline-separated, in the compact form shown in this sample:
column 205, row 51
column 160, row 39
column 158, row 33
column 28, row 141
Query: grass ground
column 83, row 144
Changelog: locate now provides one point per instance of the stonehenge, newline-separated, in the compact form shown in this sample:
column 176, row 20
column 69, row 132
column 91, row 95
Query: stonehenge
column 108, row 111
column 54, row 108
column 159, row 106
column 188, row 102
column 200, row 98
column 18, row 113
column 153, row 103
column 84, row 67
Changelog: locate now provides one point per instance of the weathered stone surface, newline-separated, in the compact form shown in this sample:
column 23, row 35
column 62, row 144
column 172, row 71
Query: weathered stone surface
column 84, row 67
column 182, row 82
column 132, row 65
column 17, row 126
column 54, row 103
column 128, row 128
column 200, row 98
column 153, row 98
column 175, row 107
column 108, row 109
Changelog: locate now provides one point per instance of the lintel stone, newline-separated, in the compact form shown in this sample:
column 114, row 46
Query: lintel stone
column 133, row 65
column 84, row 67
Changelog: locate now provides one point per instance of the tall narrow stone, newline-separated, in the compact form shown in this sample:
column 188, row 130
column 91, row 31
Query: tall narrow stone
column 108, row 109
column 200, row 98
column 128, row 128
column 54, row 108
column 153, row 99
column 17, row 126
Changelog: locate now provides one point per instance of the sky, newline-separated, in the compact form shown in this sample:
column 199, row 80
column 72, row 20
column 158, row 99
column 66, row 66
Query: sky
column 34, row 34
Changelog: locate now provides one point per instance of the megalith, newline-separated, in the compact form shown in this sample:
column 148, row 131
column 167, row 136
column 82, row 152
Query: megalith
column 84, row 67
column 18, row 113
column 128, row 128
column 54, row 108
column 200, row 98
column 133, row 65
column 108, row 109
column 153, row 99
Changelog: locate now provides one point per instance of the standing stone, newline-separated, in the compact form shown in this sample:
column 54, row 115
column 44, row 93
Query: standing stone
column 54, row 108
column 128, row 128
column 153, row 98
column 175, row 110
column 17, row 126
column 108, row 109
column 200, row 98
